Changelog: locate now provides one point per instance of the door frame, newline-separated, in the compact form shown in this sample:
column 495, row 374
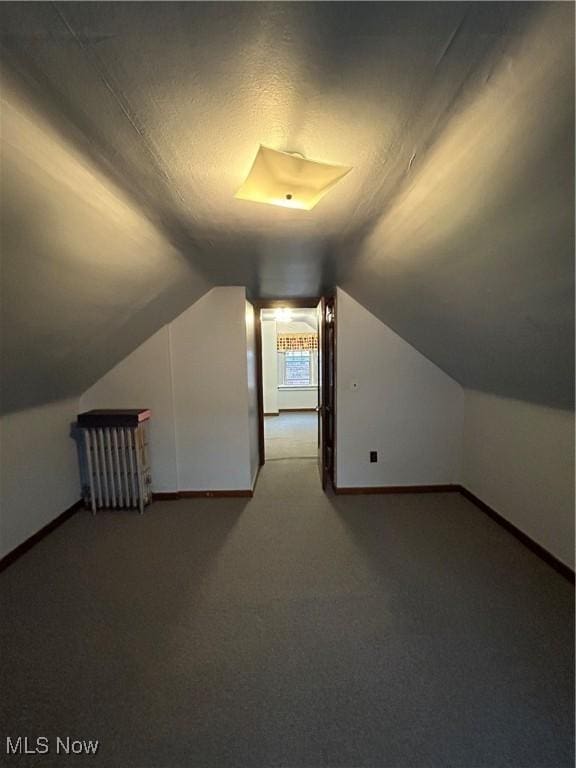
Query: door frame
column 258, row 305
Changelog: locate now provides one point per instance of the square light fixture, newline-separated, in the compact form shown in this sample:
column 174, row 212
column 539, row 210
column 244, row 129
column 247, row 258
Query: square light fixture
column 289, row 180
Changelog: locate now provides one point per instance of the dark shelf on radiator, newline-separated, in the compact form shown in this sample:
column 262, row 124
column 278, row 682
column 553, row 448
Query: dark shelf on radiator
column 113, row 417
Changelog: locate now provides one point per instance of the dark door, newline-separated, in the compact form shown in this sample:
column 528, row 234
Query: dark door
column 326, row 399
column 329, row 388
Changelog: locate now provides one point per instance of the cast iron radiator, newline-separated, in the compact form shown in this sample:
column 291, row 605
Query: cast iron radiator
column 114, row 459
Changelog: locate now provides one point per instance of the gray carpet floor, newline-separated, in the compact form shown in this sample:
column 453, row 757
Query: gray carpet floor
column 291, row 435
column 293, row 630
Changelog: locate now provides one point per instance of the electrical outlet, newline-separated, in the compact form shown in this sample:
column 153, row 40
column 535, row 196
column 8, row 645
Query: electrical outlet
column 373, row 457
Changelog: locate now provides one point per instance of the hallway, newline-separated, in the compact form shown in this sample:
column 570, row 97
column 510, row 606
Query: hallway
column 291, row 629
column 291, row 435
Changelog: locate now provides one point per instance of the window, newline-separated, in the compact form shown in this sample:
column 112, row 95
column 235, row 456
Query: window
column 297, row 369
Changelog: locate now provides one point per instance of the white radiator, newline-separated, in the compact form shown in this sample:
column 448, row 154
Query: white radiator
column 116, row 459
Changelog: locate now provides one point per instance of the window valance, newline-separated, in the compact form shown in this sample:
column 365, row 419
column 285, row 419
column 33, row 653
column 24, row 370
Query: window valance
column 296, row 342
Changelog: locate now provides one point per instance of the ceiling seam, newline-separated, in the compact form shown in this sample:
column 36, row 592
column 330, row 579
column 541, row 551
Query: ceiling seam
column 426, row 143
column 123, row 105
column 422, row 144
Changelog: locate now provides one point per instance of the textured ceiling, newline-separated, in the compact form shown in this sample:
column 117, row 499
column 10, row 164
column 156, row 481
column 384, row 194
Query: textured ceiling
column 454, row 226
column 473, row 260
column 85, row 276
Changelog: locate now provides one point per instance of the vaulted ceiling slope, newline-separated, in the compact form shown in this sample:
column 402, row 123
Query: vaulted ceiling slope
column 472, row 261
column 454, row 227
column 86, row 277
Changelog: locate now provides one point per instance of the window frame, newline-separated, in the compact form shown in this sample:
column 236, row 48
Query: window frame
column 313, row 366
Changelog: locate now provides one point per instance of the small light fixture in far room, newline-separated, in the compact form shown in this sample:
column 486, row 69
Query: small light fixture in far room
column 289, row 180
column 283, row 315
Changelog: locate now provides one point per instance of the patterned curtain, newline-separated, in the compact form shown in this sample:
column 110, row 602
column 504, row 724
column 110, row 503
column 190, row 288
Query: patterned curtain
column 296, row 342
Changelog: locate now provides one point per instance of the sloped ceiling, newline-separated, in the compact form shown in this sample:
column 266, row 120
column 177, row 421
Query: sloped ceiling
column 472, row 261
column 86, row 277
column 454, row 227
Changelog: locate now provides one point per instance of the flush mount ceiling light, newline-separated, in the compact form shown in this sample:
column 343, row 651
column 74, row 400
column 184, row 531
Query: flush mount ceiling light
column 283, row 315
column 289, row 180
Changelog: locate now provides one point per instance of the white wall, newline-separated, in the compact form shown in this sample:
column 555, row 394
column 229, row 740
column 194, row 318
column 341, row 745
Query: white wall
column 210, row 381
column 404, row 407
column 252, row 374
column 519, row 459
column 143, row 380
column 269, row 367
column 39, row 475
column 301, row 398
column 193, row 375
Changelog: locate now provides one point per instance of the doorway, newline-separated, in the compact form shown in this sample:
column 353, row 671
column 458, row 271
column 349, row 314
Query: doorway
column 296, row 381
column 291, row 435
